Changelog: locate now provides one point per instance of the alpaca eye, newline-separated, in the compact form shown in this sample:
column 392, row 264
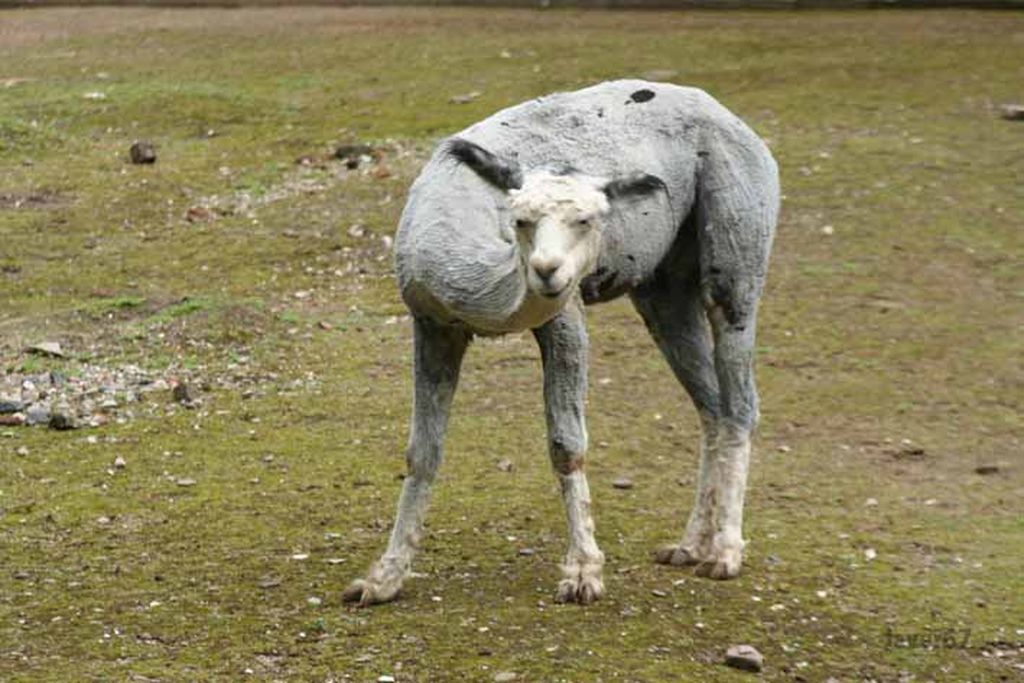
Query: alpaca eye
column 583, row 221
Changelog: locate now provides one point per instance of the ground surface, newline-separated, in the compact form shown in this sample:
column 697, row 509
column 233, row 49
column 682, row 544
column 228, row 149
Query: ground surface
column 889, row 356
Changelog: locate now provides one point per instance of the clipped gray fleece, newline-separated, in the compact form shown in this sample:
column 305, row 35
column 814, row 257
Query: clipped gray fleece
column 456, row 253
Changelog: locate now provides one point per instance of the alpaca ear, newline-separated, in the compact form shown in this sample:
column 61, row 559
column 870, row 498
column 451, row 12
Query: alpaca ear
column 504, row 175
column 633, row 186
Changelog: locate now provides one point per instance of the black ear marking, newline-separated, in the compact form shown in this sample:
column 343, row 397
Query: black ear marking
column 504, row 175
column 634, row 186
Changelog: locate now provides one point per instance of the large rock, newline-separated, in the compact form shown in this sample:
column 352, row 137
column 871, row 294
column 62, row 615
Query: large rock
column 745, row 658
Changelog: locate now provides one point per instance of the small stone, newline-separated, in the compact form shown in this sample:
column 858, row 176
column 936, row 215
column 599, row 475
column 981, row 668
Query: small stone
column 185, row 394
column 505, row 465
column 62, row 421
column 299, row 557
column 870, row 554
column 465, row 98
column 352, row 151
column 185, row 482
column 526, row 552
column 324, row 325
column 986, row 469
column 828, row 230
column 505, row 676
column 871, row 503
column 269, row 582
column 623, row 483
column 142, row 152
column 22, row 451
column 745, row 658
column 385, row 678
column 356, row 230
column 659, row 75
column 1013, row 112
column 10, row 405
column 198, row 214
column 784, row 449
column 12, row 420
column 314, row 601
column 47, row 348
column 658, row 593
column 120, row 463
column 22, row 575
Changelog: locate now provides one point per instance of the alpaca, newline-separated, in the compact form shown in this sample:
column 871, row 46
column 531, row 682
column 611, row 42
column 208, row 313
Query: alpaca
column 650, row 190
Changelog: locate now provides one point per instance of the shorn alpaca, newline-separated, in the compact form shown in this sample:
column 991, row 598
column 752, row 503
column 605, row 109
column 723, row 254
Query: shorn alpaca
column 651, row 190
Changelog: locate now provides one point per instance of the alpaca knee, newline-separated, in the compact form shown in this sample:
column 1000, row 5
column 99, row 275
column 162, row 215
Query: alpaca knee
column 422, row 462
column 567, row 455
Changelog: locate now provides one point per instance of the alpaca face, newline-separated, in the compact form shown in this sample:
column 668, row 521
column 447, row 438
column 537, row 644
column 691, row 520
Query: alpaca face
column 557, row 223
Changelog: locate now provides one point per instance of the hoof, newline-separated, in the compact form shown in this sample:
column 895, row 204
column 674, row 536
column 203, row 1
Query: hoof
column 366, row 592
column 676, row 556
column 724, row 564
column 582, row 592
column 581, row 584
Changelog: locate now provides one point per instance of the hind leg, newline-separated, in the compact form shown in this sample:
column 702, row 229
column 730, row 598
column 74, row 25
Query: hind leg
column 734, row 343
column 735, row 220
column 671, row 306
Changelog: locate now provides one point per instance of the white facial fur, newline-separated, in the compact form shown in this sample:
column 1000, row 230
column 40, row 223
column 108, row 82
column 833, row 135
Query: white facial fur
column 557, row 224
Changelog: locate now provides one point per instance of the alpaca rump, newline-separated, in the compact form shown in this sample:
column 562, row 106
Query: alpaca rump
column 649, row 190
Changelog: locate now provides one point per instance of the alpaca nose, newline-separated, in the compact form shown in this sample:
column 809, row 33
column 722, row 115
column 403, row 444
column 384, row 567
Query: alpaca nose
column 545, row 266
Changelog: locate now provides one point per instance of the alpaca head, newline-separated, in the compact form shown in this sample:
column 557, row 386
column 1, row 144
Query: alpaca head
column 557, row 215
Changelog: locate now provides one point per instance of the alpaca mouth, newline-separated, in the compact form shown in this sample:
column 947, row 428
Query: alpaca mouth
column 554, row 294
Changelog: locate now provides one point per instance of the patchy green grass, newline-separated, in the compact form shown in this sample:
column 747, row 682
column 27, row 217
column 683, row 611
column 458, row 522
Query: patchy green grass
column 889, row 355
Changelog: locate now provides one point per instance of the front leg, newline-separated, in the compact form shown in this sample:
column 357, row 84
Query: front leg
column 563, row 346
column 438, row 357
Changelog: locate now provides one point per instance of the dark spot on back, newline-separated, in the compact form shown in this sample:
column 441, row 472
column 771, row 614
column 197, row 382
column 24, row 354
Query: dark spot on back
column 703, row 153
column 600, row 112
column 643, row 95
